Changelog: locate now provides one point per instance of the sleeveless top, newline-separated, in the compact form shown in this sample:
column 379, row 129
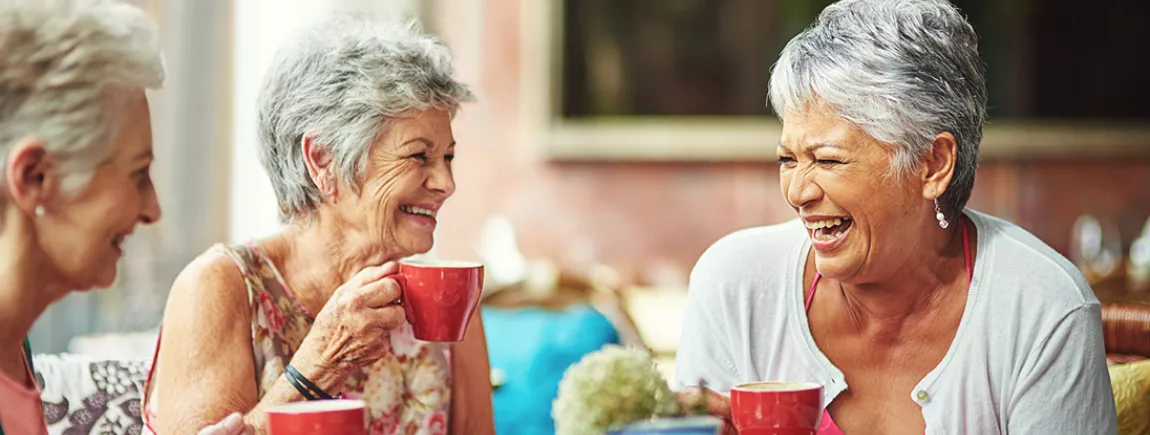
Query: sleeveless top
column 20, row 412
column 828, row 426
column 408, row 392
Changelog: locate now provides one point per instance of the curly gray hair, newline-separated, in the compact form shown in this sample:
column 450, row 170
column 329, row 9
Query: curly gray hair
column 65, row 66
column 902, row 70
column 341, row 81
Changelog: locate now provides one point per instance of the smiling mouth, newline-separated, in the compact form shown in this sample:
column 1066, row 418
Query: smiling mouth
column 828, row 229
column 418, row 211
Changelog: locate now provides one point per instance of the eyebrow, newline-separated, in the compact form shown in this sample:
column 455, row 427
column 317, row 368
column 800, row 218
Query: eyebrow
column 809, row 148
column 426, row 142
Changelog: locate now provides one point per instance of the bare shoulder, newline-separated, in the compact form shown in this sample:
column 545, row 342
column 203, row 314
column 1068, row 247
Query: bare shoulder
column 212, row 286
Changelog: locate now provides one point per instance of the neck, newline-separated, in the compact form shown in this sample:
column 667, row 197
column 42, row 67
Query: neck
column 919, row 285
column 319, row 255
column 27, row 288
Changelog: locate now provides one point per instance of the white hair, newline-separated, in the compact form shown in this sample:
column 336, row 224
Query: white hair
column 340, row 81
column 65, row 66
column 902, row 70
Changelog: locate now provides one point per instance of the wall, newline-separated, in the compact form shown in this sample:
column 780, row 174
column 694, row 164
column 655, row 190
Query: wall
column 651, row 221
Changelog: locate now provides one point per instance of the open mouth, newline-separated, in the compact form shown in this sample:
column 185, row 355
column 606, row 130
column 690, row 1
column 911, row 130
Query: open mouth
column 118, row 242
column 826, row 230
column 417, row 211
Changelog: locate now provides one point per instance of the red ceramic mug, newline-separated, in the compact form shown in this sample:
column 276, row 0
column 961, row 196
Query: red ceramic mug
column 336, row 417
column 776, row 408
column 439, row 297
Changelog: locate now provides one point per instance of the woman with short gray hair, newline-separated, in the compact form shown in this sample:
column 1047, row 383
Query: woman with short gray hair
column 355, row 135
column 913, row 312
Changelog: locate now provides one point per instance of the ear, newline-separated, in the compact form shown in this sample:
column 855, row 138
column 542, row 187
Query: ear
column 938, row 165
column 318, row 161
column 26, row 174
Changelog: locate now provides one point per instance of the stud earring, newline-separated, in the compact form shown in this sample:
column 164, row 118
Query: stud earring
column 39, row 210
column 938, row 215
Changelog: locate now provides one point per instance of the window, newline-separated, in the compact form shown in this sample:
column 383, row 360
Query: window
column 1054, row 67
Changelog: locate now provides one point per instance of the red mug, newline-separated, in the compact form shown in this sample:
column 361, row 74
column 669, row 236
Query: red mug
column 439, row 297
column 336, row 417
column 777, row 408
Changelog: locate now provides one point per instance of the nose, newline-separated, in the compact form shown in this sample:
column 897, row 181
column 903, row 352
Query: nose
column 441, row 179
column 800, row 188
column 150, row 213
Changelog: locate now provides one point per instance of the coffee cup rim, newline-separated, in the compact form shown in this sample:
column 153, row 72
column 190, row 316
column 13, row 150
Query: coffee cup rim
column 446, row 264
column 797, row 386
column 314, row 406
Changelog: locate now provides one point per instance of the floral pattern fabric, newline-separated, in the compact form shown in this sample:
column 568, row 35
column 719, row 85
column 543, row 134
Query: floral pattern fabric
column 407, row 392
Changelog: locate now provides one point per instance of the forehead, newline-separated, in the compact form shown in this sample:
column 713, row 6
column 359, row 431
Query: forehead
column 434, row 125
column 133, row 132
column 817, row 126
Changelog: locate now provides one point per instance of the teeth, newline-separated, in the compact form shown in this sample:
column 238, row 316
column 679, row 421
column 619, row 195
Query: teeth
column 824, row 223
column 418, row 210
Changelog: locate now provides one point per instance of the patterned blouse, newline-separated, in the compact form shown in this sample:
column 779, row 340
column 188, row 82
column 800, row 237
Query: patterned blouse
column 407, row 392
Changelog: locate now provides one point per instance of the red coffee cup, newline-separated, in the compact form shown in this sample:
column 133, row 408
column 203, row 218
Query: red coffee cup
column 439, row 297
column 777, row 408
column 337, row 417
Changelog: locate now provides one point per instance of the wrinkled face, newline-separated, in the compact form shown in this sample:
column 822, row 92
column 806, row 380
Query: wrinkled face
column 83, row 234
column 863, row 222
column 407, row 179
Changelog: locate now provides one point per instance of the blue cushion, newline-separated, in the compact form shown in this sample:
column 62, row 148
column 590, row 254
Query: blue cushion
column 532, row 347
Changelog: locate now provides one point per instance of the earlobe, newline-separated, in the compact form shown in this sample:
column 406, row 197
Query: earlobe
column 26, row 174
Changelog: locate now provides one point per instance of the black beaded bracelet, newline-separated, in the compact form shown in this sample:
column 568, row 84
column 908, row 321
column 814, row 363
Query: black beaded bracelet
column 306, row 388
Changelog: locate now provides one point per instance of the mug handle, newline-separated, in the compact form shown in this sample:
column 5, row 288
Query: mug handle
column 402, row 281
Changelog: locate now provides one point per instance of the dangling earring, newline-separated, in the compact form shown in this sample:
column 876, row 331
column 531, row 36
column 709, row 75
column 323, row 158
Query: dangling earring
column 39, row 210
column 938, row 215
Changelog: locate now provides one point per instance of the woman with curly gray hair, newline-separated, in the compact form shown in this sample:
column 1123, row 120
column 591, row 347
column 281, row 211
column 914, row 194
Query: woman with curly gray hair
column 914, row 313
column 355, row 134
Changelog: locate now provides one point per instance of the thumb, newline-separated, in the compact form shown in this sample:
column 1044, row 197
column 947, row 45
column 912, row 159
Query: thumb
column 233, row 423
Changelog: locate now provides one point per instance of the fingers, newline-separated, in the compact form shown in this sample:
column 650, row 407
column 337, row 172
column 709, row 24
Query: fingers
column 715, row 403
column 378, row 294
column 375, row 273
column 388, row 317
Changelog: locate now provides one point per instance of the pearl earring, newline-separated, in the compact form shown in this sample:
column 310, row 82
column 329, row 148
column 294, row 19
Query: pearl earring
column 39, row 210
column 941, row 217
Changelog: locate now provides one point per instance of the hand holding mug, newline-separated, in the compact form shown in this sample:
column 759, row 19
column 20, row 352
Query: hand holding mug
column 351, row 331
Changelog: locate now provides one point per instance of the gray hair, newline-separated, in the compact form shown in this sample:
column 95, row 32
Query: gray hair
column 902, row 70
column 65, row 68
column 340, row 82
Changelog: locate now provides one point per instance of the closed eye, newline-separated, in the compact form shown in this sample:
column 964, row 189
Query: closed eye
column 420, row 156
column 829, row 162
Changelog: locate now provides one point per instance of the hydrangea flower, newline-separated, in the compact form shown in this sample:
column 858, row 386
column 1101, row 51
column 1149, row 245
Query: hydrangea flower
column 611, row 387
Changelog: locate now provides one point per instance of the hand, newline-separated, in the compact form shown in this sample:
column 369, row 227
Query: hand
column 351, row 331
column 715, row 404
column 230, row 425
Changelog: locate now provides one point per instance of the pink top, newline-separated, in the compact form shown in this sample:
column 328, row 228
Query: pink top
column 828, row 426
column 20, row 412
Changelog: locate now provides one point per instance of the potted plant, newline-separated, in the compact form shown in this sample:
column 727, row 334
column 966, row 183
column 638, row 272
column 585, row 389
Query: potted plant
column 617, row 390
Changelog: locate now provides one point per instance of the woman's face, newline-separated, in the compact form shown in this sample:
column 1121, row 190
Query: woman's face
column 83, row 234
column 408, row 177
column 863, row 223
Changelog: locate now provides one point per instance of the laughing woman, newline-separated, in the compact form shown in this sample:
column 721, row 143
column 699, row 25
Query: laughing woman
column 915, row 313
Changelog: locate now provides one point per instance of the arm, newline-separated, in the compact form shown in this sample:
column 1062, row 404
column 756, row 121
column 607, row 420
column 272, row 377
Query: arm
column 1065, row 386
column 205, row 368
column 471, row 408
column 704, row 353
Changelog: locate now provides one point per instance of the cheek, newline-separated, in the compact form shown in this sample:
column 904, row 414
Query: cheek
column 385, row 189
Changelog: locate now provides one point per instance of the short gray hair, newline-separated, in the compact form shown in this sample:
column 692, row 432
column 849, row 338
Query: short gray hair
column 64, row 68
column 340, row 82
column 902, row 70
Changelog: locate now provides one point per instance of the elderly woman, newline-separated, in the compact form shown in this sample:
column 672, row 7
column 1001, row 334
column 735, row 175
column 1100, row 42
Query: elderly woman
column 355, row 134
column 77, row 136
column 914, row 313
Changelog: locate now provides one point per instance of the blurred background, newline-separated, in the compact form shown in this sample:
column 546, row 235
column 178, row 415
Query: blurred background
column 615, row 140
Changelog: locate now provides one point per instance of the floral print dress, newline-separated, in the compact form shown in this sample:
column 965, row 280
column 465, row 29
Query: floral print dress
column 407, row 392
